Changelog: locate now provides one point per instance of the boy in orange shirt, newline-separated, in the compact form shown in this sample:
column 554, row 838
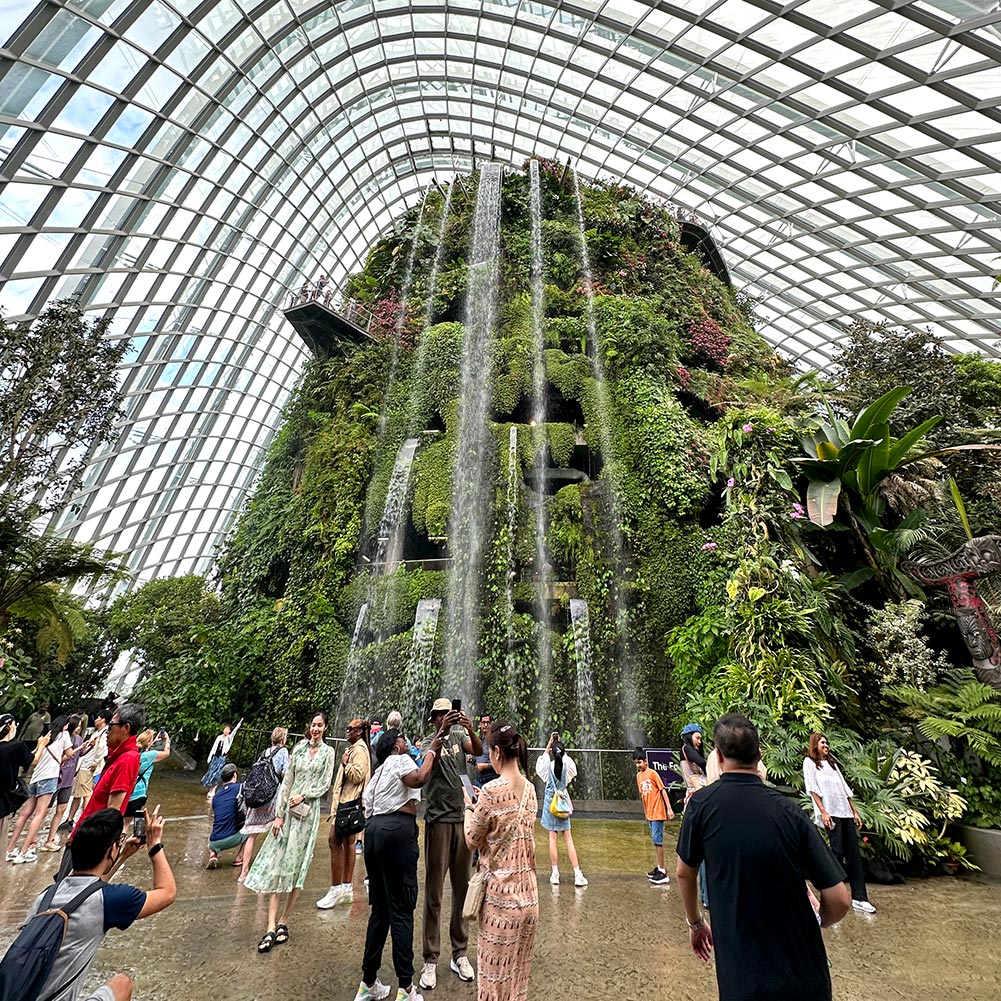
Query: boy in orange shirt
column 656, row 808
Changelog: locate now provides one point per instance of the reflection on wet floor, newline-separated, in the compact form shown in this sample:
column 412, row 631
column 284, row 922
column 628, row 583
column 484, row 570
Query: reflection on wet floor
column 620, row 937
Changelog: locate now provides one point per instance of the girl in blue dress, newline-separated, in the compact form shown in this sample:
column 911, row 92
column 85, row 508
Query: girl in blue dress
column 557, row 769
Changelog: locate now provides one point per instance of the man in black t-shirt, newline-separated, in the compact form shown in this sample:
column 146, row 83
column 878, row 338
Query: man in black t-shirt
column 759, row 849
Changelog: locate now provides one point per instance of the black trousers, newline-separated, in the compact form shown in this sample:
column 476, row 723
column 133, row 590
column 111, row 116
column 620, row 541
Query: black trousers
column 844, row 844
column 391, row 855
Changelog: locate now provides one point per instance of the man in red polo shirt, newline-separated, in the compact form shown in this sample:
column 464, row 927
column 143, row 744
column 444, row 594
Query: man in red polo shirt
column 121, row 770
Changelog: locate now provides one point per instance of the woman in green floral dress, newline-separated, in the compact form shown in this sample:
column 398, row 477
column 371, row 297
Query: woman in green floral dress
column 283, row 861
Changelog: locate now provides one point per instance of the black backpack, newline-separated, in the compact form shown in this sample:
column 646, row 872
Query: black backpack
column 31, row 956
column 261, row 783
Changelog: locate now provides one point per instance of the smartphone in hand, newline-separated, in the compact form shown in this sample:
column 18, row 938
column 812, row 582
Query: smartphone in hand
column 468, row 786
column 456, row 705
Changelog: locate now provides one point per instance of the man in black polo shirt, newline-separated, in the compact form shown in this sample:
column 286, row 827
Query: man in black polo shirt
column 759, row 849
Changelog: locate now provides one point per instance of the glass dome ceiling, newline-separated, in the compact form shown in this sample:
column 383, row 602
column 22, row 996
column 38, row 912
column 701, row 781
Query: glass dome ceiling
column 181, row 164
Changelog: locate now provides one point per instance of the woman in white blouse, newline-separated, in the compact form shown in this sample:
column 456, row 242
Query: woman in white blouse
column 390, row 802
column 834, row 809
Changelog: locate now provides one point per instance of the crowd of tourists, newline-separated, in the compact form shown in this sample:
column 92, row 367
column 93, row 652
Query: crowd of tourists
column 740, row 839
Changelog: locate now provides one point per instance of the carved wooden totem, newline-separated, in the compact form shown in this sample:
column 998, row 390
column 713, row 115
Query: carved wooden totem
column 959, row 573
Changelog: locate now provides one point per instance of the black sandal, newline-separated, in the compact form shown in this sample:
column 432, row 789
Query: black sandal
column 281, row 934
column 266, row 942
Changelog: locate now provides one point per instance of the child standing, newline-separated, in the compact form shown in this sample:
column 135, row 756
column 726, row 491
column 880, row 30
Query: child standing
column 657, row 809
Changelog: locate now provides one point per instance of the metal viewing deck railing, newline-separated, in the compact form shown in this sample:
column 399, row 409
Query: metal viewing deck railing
column 604, row 774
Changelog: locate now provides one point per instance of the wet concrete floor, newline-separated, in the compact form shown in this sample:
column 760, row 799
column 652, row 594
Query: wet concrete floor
column 618, row 938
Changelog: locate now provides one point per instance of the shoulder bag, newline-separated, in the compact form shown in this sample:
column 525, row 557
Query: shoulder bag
column 300, row 811
column 476, row 892
column 561, row 805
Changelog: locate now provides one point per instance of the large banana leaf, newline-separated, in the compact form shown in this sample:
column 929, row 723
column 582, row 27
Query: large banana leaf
column 901, row 446
column 822, row 501
column 878, row 412
column 873, row 461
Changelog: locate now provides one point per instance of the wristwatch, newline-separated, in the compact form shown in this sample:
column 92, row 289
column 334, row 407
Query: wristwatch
column 697, row 923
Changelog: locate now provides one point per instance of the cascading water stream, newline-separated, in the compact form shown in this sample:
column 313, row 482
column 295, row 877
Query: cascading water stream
column 472, row 482
column 512, row 532
column 417, row 688
column 629, row 694
column 420, row 365
column 543, row 572
column 353, row 688
column 401, row 317
column 580, row 623
column 389, row 547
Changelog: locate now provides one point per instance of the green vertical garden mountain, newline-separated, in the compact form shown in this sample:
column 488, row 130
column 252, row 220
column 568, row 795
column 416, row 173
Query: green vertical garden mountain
column 674, row 343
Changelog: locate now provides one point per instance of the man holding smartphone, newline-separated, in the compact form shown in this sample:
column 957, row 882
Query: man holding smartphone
column 445, row 846
column 97, row 852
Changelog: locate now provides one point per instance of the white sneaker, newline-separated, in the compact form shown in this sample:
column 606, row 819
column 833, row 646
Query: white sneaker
column 376, row 992
column 864, row 906
column 428, row 980
column 411, row 995
column 330, row 899
column 579, row 879
column 347, row 897
column 463, row 969
column 12, row 855
column 29, row 856
column 555, row 877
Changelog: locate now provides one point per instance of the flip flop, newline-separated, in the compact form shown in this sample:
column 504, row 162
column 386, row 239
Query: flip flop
column 281, row 934
column 266, row 942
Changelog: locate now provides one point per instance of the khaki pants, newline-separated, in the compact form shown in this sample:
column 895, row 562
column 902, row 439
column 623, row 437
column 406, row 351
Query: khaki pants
column 445, row 851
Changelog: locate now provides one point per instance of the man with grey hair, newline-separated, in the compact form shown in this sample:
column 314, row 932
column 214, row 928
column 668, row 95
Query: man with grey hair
column 121, row 770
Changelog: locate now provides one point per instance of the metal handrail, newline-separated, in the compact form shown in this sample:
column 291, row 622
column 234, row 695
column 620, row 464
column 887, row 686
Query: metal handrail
column 609, row 785
column 350, row 310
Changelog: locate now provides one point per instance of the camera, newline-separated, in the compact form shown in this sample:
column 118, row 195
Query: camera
column 139, row 829
column 456, row 705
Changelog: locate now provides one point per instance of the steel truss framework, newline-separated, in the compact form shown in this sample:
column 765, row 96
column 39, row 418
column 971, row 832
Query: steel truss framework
column 180, row 163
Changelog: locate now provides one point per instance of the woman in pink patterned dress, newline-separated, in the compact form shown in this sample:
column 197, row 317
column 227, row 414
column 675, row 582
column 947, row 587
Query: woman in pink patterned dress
column 501, row 824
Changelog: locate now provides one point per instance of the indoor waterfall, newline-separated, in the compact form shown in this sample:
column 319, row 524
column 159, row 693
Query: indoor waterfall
column 629, row 700
column 580, row 623
column 353, row 690
column 417, row 687
column 390, row 541
column 543, row 570
column 472, row 482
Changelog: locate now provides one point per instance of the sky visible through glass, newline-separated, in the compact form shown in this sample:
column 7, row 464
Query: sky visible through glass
column 181, row 164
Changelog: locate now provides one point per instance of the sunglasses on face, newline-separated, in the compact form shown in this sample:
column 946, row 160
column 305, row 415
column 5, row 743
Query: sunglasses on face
column 115, row 722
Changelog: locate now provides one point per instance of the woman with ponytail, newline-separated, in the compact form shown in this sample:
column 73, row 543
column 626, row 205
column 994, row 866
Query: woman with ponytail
column 501, row 825
column 557, row 769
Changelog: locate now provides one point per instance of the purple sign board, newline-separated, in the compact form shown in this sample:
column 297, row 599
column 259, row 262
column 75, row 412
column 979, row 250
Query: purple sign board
column 665, row 762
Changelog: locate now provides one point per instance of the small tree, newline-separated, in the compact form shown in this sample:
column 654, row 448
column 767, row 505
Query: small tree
column 159, row 621
column 59, row 397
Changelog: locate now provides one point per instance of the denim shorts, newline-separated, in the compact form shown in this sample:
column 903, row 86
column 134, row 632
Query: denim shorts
column 44, row 788
column 657, row 832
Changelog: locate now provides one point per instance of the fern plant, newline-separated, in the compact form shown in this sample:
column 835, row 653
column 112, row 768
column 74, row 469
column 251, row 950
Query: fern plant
column 962, row 709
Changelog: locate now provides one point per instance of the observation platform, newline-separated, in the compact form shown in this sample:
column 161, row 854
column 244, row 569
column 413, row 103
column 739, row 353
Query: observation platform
column 329, row 326
column 696, row 239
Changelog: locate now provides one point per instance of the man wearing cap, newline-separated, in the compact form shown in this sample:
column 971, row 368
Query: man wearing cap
column 445, row 841
column 226, row 819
